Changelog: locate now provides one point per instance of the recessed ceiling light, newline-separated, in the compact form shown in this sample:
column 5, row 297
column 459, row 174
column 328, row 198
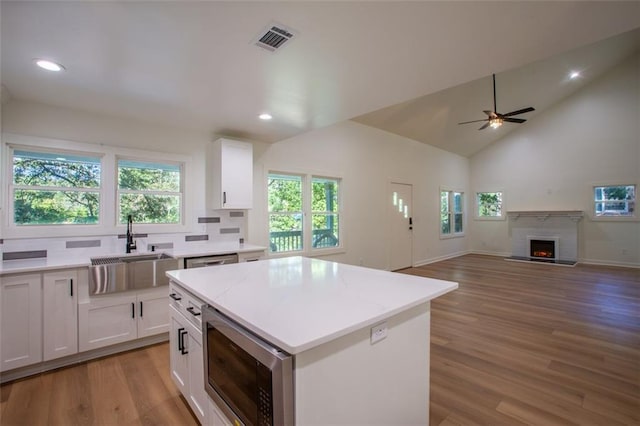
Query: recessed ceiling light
column 49, row 65
column 574, row 74
column 265, row 116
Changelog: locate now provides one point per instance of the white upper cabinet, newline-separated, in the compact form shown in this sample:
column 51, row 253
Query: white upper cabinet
column 231, row 175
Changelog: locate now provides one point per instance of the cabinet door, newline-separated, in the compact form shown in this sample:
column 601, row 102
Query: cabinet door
column 216, row 416
column 60, row 313
column 178, row 354
column 107, row 320
column 198, row 396
column 232, row 180
column 20, row 321
column 153, row 312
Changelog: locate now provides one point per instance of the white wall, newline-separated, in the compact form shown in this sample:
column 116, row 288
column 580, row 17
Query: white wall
column 367, row 159
column 553, row 161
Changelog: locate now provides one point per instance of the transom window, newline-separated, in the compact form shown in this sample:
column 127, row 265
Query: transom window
column 451, row 213
column 292, row 199
column 615, row 201
column 55, row 188
column 151, row 192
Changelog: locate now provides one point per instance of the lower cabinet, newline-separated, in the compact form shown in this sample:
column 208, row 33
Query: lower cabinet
column 20, row 321
column 187, row 363
column 60, row 308
column 109, row 319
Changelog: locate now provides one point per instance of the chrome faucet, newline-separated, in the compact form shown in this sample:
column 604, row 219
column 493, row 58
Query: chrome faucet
column 131, row 244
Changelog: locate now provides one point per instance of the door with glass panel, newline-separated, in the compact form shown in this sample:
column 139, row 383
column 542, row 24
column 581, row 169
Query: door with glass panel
column 400, row 207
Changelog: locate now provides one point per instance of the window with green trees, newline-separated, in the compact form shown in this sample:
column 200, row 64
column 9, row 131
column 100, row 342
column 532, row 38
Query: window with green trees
column 324, row 212
column 55, row 188
column 151, row 192
column 618, row 200
column 451, row 213
column 289, row 205
column 285, row 212
column 489, row 204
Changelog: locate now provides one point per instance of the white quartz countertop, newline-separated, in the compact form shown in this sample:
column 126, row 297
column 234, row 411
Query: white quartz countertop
column 79, row 258
column 298, row 303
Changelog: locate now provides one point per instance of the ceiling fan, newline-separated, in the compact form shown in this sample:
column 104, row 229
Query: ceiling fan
column 495, row 119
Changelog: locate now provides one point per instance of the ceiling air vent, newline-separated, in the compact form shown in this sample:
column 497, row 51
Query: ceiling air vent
column 274, row 37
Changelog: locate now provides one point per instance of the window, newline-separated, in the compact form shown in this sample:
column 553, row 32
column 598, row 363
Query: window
column 151, row 192
column 451, row 213
column 489, row 205
column 285, row 213
column 289, row 205
column 55, row 188
column 616, row 201
column 324, row 214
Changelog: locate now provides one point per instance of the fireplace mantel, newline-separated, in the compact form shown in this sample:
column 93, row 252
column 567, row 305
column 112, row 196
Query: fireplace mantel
column 574, row 215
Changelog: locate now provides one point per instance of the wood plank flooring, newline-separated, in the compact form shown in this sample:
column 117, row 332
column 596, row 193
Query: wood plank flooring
column 516, row 344
column 131, row 388
column 521, row 343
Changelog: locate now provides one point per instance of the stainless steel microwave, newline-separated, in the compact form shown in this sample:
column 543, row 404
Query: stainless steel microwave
column 249, row 379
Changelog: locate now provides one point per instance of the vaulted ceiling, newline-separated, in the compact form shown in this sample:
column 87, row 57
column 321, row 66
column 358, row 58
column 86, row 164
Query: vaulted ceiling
column 411, row 68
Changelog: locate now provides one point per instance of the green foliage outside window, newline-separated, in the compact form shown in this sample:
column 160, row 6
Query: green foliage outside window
column 55, row 189
column 489, row 204
column 615, row 200
column 451, row 212
column 149, row 192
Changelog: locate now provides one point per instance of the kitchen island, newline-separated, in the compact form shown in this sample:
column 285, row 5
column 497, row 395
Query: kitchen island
column 359, row 336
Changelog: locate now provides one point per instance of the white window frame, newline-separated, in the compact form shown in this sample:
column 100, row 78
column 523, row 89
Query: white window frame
column 476, row 212
column 108, row 188
column 180, row 192
column 451, row 213
column 613, row 218
column 307, row 214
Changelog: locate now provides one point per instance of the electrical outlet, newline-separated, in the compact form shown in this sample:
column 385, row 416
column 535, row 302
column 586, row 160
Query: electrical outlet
column 378, row 332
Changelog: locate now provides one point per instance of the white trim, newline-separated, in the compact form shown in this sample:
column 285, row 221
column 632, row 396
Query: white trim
column 108, row 186
column 441, row 258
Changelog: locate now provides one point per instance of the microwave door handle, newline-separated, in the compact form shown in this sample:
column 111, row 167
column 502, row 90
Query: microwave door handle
column 197, row 263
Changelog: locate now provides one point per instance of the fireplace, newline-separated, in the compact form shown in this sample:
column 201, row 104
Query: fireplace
column 542, row 249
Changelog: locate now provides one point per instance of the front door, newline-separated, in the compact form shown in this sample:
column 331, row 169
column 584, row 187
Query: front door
column 400, row 222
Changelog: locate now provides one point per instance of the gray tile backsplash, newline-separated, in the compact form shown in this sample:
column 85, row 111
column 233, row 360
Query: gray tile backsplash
column 21, row 255
column 196, row 238
column 83, row 244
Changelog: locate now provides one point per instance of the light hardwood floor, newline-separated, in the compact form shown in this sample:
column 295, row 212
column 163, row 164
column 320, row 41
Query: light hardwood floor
column 521, row 343
column 517, row 343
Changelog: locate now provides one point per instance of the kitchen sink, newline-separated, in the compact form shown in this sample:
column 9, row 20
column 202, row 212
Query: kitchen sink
column 112, row 274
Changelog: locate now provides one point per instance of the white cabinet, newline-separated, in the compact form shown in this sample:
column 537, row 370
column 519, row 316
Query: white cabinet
column 216, row 416
column 250, row 256
column 60, row 308
column 109, row 319
column 186, row 353
column 20, row 321
column 231, row 179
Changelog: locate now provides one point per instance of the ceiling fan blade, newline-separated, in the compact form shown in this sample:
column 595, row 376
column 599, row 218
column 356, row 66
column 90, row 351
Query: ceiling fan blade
column 520, row 111
column 474, row 121
column 491, row 114
column 484, row 126
column 514, row 120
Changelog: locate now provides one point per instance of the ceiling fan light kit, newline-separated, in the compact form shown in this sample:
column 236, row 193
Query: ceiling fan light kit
column 495, row 119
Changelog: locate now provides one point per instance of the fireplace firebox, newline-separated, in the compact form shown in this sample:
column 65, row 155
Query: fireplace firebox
column 542, row 249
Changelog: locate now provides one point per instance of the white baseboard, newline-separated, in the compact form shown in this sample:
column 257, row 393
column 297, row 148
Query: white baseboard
column 440, row 258
column 609, row 263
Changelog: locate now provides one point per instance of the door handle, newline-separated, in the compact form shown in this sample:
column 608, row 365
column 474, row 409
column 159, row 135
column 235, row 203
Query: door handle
column 140, row 309
column 175, row 297
column 410, row 223
column 190, row 309
column 133, row 310
column 71, row 287
column 180, row 342
column 224, row 197
column 183, row 333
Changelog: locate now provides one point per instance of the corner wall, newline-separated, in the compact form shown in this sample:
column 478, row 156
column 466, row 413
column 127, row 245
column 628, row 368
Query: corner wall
column 553, row 161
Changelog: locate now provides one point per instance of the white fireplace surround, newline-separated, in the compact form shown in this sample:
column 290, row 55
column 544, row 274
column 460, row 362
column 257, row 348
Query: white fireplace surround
column 558, row 226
